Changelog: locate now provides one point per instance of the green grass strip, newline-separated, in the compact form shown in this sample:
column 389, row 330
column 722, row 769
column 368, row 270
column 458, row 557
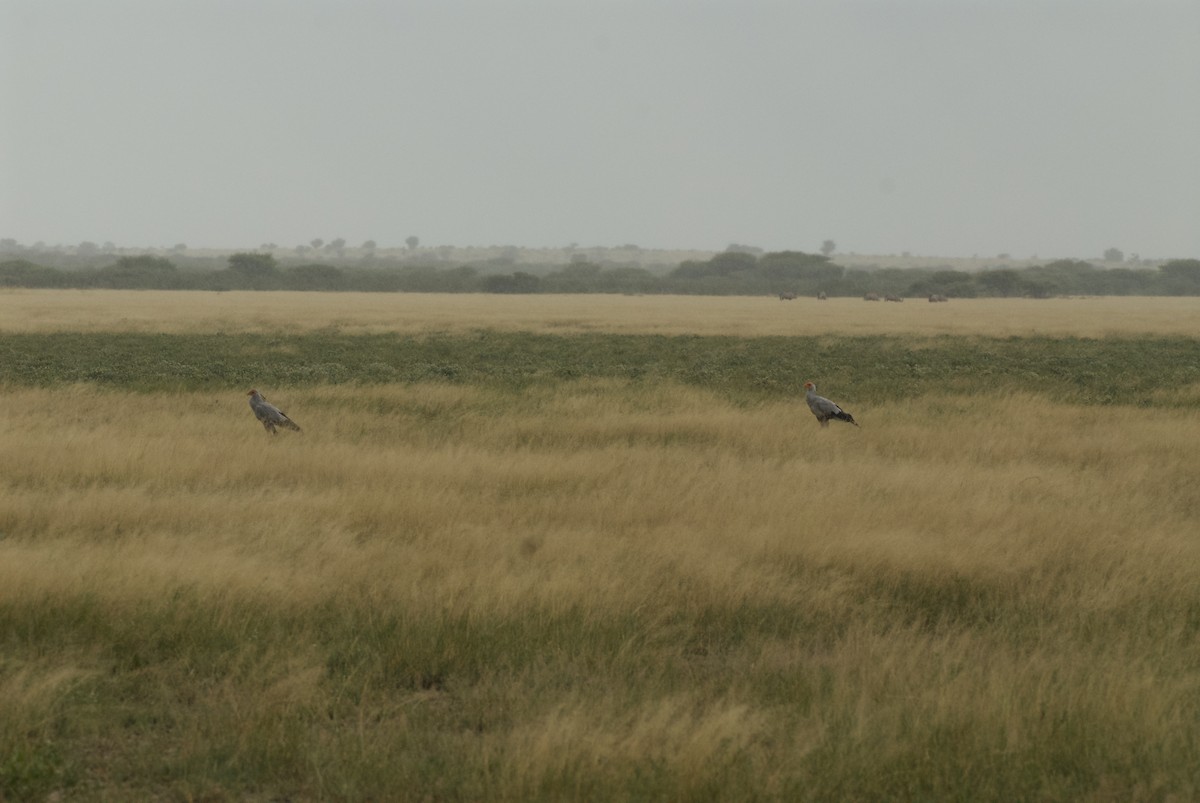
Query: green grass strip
column 867, row 368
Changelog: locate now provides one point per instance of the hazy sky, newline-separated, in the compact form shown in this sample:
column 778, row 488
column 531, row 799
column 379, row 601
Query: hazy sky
column 939, row 127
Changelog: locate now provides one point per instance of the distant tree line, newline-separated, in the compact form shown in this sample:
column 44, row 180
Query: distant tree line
column 733, row 272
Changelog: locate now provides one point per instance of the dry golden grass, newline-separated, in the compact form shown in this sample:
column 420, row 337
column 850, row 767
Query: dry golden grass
column 602, row 589
column 521, row 500
column 595, row 589
column 284, row 312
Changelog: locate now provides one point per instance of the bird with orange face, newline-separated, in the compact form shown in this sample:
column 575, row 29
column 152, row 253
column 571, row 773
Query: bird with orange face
column 823, row 408
column 270, row 415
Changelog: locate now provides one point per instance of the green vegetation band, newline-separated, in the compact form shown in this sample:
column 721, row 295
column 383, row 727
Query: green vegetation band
column 867, row 368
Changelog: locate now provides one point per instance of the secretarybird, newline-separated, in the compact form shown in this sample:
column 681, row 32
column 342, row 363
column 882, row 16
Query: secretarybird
column 824, row 409
column 270, row 415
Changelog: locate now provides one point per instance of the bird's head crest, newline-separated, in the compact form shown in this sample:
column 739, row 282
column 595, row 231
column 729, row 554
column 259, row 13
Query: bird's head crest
column 251, row 392
column 809, row 386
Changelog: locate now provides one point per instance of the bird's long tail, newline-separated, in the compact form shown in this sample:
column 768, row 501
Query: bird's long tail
column 844, row 416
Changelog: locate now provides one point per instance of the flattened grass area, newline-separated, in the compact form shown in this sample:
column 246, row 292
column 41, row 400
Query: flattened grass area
column 515, row 566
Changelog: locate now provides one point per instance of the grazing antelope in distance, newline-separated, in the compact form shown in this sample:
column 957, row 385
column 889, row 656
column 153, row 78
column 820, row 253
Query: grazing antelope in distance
column 823, row 408
column 935, row 298
column 787, row 296
column 821, row 296
column 890, row 297
column 871, row 297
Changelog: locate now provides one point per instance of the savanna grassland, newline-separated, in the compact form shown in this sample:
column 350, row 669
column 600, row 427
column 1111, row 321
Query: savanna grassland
column 559, row 548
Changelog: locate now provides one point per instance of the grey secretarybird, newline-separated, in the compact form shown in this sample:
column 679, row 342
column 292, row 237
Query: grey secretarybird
column 270, row 415
column 824, row 409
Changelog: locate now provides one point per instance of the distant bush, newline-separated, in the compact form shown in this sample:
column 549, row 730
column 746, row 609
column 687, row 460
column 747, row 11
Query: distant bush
column 727, row 273
column 948, row 283
column 135, row 273
column 518, row 282
column 1181, row 277
column 20, row 273
column 314, row 277
column 255, row 271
